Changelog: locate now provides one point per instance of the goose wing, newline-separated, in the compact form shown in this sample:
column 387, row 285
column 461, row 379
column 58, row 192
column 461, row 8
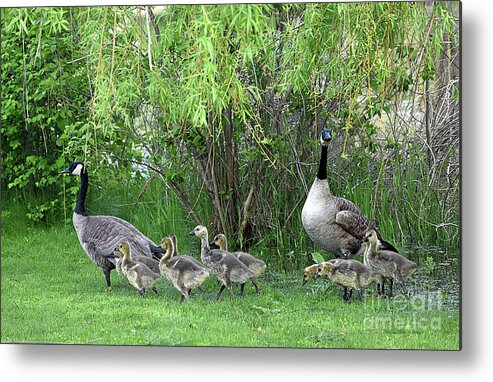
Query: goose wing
column 104, row 233
column 100, row 258
column 351, row 219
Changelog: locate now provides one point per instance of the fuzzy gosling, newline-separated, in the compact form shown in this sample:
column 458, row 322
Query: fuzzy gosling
column 185, row 274
column 138, row 274
column 227, row 268
column 257, row 266
column 350, row 274
column 388, row 264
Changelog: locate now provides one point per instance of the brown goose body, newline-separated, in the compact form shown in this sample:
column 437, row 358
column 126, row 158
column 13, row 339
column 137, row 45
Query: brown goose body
column 184, row 272
column 335, row 224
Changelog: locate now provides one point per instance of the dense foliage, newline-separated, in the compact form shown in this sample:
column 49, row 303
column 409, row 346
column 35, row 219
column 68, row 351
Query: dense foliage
column 223, row 105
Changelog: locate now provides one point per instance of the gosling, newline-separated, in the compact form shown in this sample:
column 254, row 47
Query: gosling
column 227, row 268
column 389, row 265
column 183, row 273
column 153, row 264
column 350, row 274
column 311, row 271
column 138, row 274
column 257, row 266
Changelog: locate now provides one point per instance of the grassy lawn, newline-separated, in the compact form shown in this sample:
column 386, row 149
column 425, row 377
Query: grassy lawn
column 52, row 293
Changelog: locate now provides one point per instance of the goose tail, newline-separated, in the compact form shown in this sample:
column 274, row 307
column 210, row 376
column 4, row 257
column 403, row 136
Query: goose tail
column 157, row 252
column 387, row 246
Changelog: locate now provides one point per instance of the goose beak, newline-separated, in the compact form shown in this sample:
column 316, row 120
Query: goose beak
column 66, row 171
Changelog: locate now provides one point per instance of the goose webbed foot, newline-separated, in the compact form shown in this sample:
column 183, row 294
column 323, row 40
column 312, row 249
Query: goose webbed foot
column 142, row 292
column 155, row 291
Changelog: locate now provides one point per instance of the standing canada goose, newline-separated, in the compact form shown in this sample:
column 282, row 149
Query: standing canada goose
column 387, row 264
column 99, row 235
column 227, row 268
column 336, row 224
column 350, row 274
column 183, row 272
column 138, row 274
column 257, row 266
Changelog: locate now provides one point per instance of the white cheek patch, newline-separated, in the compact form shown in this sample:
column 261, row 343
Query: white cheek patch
column 77, row 170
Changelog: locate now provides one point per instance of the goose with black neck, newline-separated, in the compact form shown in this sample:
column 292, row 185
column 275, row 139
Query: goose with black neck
column 99, row 235
column 334, row 223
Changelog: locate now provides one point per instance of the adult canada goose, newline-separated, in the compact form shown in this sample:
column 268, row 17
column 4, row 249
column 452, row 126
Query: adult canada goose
column 336, row 224
column 350, row 274
column 99, row 235
column 184, row 273
column 227, row 268
column 138, row 274
column 387, row 264
column 257, row 266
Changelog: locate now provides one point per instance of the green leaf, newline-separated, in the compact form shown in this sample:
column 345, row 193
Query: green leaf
column 317, row 257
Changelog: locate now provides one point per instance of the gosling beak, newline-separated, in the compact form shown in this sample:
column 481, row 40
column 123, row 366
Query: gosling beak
column 192, row 233
column 364, row 240
column 66, row 171
column 304, row 282
column 316, row 276
column 212, row 242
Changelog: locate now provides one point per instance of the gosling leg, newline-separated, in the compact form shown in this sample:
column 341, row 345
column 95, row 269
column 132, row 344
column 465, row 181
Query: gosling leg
column 219, row 293
column 348, row 295
column 401, row 283
column 391, row 284
column 142, row 292
column 360, row 295
column 155, row 291
column 242, row 289
column 343, row 293
column 381, row 287
column 254, row 282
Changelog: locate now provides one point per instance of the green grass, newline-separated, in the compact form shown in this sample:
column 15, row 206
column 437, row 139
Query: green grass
column 52, row 293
